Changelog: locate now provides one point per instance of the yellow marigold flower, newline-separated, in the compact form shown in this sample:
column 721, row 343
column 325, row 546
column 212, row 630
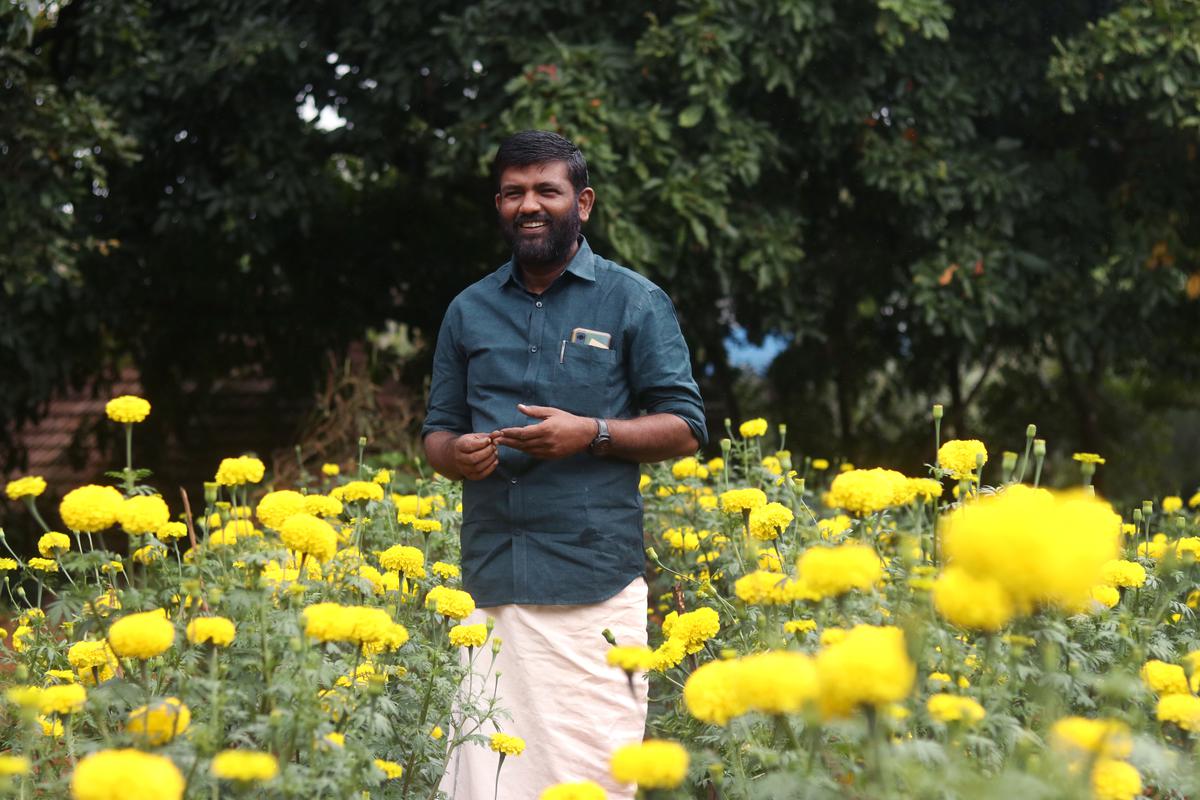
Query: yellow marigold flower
column 1194, row 500
column 583, row 790
column 953, row 708
column 1172, row 504
column 61, row 675
column 799, row 626
column 1119, row 572
column 93, row 661
column 52, row 727
column 331, row 622
column 682, row 539
column 358, row 491
column 445, row 571
column 834, row 526
column 404, row 558
column 417, row 506
column 1088, row 458
column 1115, row 780
column 275, row 507
column 29, row 486
column 8, row 564
column 172, row 530
column 969, row 602
column 90, row 509
column 777, row 682
column 958, row 457
column 240, row 471
column 752, row 428
column 29, row 697
column 1164, row 678
column 383, row 477
column 158, row 723
column 693, row 628
column 630, row 658
column 143, row 635
column 927, row 490
column 305, row 533
column 244, row 766
column 1044, row 548
column 867, row 491
column 320, row 505
column 735, row 501
column 104, row 604
column 1104, row 596
column 820, row 464
column 762, row 587
column 870, row 666
column 1181, row 708
column 11, row 766
column 668, row 654
column 453, row 603
column 1105, row 738
column 149, row 554
column 772, row 465
column 331, row 470
column 426, row 525
column 127, row 409
column 126, row 775
column 833, row 571
column 468, row 635
column 436, row 733
column 688, row 468
column 21, row 638
column 69, row 698
column 712, row 694
column 143, row 514
column 43, row 564
column 652, row 764
column 768, row 560
column 507, row 745
column 390, row 769
column 768, row 521
column 217, row 630
column 715, row 465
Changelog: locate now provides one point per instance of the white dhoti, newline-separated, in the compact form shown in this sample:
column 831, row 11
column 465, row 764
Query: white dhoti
column 569, row 706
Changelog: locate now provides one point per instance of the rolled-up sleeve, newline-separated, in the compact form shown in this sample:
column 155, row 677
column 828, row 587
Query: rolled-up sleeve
column 447, row 410
column 660, row 368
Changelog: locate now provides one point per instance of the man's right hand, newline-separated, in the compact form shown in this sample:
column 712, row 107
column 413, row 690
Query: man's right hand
column 475, row 455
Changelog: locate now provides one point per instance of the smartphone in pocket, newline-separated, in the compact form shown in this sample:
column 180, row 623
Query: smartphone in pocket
column 591, row 338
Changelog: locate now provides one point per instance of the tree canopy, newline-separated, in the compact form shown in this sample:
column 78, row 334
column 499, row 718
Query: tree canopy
column 986, row 204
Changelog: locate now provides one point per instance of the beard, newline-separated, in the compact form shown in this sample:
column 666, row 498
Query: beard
column 551, row 247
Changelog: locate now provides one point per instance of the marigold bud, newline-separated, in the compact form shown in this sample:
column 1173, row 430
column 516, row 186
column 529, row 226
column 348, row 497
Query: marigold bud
column 938, row 411
column 1039, row 447
column 1030, row 431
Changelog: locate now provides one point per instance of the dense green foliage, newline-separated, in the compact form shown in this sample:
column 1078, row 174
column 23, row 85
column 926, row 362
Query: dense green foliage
column 984, row 203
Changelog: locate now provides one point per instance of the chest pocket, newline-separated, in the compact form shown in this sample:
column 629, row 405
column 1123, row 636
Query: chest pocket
column 587, row 379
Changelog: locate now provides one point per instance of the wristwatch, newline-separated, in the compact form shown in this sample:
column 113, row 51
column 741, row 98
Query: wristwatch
column 603, row 441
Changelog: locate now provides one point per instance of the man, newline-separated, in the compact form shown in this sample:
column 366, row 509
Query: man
column 553, row 378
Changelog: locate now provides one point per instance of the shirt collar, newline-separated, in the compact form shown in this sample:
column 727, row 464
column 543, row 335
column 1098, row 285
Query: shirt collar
column 582, row 265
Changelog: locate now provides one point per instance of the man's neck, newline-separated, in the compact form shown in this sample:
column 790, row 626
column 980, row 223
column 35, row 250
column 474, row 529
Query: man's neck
column 538, row 279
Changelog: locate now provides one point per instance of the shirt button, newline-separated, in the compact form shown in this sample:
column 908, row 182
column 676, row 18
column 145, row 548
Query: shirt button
column 513, row 481
column 538, row 304
column 533, row 349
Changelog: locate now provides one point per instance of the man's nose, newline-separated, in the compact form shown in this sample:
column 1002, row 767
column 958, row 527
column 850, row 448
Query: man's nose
column 529, row 204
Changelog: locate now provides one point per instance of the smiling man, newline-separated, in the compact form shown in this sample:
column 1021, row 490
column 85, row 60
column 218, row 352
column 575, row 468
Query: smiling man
column 553, row 378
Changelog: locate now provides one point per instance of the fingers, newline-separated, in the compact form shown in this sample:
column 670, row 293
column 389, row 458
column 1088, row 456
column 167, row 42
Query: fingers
column 470, row 442
column 484, row 469
column 540, row 412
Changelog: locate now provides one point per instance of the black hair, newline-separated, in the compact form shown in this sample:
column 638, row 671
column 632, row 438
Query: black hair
column 540, row 147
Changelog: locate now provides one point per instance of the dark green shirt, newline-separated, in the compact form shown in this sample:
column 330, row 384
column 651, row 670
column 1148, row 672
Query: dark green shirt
column 566, row 531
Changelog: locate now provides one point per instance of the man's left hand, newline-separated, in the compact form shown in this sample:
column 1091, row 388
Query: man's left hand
column 558, row 435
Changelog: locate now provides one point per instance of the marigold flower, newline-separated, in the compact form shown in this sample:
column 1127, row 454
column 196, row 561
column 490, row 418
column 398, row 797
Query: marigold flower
column 752, row 428
column 1106, row 738
column 768, row 521
column 1088, row 458
column 446, row 571
column 29, row 486
column 158, row 723
column 404, row 558
column 630, row 658
column 68, row 698
column 90, row 509
column 172, row 530
column 870, row 666
column 390, row 769
column 127, row 409
column 1115, row 780
column 1119, row 572
column 833, row 571
column 320, row 505
column 652, row 764
column 969, row 602
column 737, row 500
column 43, row 564
column 777, row 682
column 1164, row 678
column 12, row 766
column 688, row 467
column 240, row 471
column 799, row 626
column 583, row 790
column 507, row 745
column 453, row 603
column 305, row 533
column 143, row 635
column 773, row 465
column 1181, row 708
column 867, row 491
column 358, row 491
column 275, row 507
column 244, row 766
column 1172, row 504
column 953, row 708
column 668, row 655
column 927, row 490
column 468, row 635
column 143, row 514
column 362, row 625
column 763, row 587
column 95, row 662
column 959, row 456
column 126, row 775
column 217, row 630
column 1104, row 597
column 712, row 692
column 693, row 628
column 8, row 564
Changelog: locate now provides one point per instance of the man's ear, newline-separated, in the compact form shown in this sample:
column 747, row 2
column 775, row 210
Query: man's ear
column 497, row 201
column 586, row 199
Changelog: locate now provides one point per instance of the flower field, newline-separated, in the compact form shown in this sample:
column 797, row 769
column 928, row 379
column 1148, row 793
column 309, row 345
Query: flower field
column 818, row 631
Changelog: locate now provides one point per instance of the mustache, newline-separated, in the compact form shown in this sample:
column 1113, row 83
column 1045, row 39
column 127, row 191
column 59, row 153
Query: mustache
column 533, row 218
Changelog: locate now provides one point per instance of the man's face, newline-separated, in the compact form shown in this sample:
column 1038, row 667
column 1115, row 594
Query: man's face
column 540, row 214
